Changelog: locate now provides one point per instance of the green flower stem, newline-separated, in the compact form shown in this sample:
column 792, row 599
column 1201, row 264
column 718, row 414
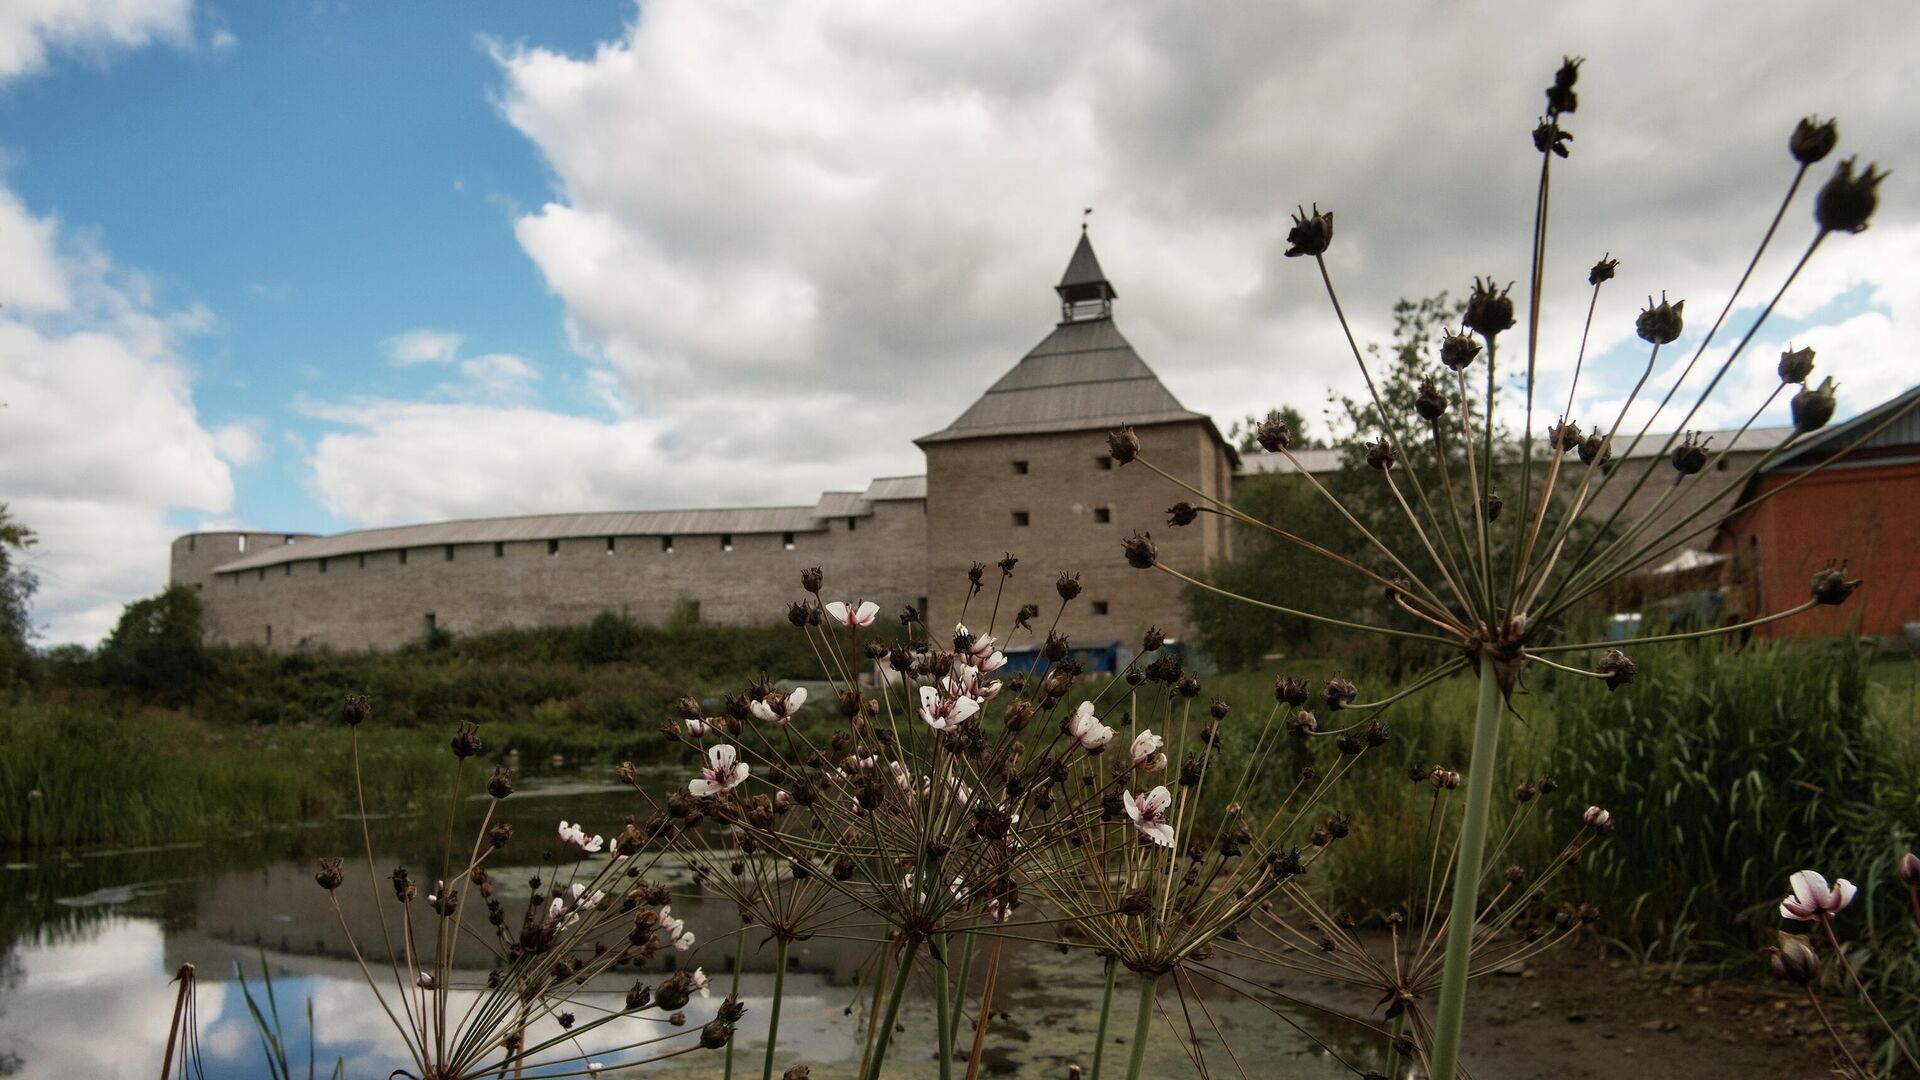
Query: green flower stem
column 773, row 1011
column 1466, row 875
column 960, row 990
column 739, row 954
column 895, row 994
column 1106, row 1012
column 942, row 1006
column 1142, row 1023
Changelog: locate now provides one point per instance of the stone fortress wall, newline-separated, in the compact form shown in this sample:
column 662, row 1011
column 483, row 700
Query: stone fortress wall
column 388, row 597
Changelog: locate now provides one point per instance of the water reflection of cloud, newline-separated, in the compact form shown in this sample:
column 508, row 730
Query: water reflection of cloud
column 94, row 1007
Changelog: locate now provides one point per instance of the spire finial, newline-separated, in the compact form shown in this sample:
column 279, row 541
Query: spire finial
column 1084, row 215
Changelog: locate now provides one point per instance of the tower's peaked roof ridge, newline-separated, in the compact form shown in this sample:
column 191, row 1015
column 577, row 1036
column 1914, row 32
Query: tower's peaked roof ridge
column 1083, row 376
column 1084, row 278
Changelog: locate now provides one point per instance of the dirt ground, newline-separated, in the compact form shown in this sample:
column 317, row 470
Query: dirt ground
column 1581, row 1015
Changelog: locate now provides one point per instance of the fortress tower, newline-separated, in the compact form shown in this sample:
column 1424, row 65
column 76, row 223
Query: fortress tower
column 1025, row 470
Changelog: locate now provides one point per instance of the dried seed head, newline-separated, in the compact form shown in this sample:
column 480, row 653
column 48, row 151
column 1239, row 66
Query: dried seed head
column 466, row 741
column 1348, row 744
column 1188, row 686
column 1564, row 435
column 1515, row 875
column 1812, row 407
column 1603, row 270
column 1691, row 455
column 1416, row 772
column 1152, row 640
column 1123, row 445
column 1847, row 201
column 1796, row 365
column 1339, row 693
column 498, row 836
column 1594, row 449
column 1311, row 234
column 1550, row 137
column 1140, row 551
column 403, row 887
column 1813, row 139
column 1181, row 514
column 1056, row 648
column 1524, row 792
column 1494, row 505
column 1023, row 619
column 1548, row 785
column 1660, row 323
column 1273, row 434
column 1376, row 733
column 1219, row 709
column 329, row 875
column 1302, row 724
column 1067, row 585
column 500, row 785
column 1458, row 350
column 1290, row 691
column 1431, row 404
column 354, row 709
column 1617, row 668
column 798, row 1072
column 811, row 579
column 1794, row 960
column 1489, row 310
column 1007, row 563
column 1830, row 585
column 1560, row 96
column 1380, row 455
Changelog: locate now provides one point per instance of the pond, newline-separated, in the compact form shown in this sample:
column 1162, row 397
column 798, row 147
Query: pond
column 91, row 941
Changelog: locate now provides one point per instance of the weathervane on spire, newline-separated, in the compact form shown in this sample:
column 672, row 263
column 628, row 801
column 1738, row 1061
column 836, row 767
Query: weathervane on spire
column 1084, row 215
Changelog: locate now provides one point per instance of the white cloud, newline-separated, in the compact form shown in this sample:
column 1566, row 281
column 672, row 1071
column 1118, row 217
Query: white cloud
column 241, row 443
column 422, row 347
column 31, row 30
column 499, row 374
column 99, row 440
column 857, row 209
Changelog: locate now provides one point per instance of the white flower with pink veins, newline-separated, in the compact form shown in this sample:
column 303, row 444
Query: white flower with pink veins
column 723, row 772
column 1814, row 899
column 1145, row 752
column 1149, row 814
column 945, row 713
column 778, row 708
column 574, row 834
column 1086, row 729
column 857, row 613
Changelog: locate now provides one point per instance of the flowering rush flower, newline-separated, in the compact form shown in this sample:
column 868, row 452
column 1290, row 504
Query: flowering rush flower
column 945, row 713
column 574, row 834
column 778, row 708
column 1086, row 729
column 698, row 728
column 967, row 682
column 1813, row 899
column 701, row 981
column 723, row 772
column 1145, row 752
column 676, row 929
column 1149, row 814
column 983, row 653
column 858, row 613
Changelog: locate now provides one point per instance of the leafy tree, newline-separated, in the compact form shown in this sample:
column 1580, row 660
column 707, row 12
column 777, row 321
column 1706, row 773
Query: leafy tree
column 17, row 585
column 156, row 649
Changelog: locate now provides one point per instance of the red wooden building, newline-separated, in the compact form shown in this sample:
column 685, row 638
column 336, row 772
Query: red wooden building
column 1862, row 507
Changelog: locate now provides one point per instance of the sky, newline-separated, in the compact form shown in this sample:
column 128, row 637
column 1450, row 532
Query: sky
column 316, row 266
